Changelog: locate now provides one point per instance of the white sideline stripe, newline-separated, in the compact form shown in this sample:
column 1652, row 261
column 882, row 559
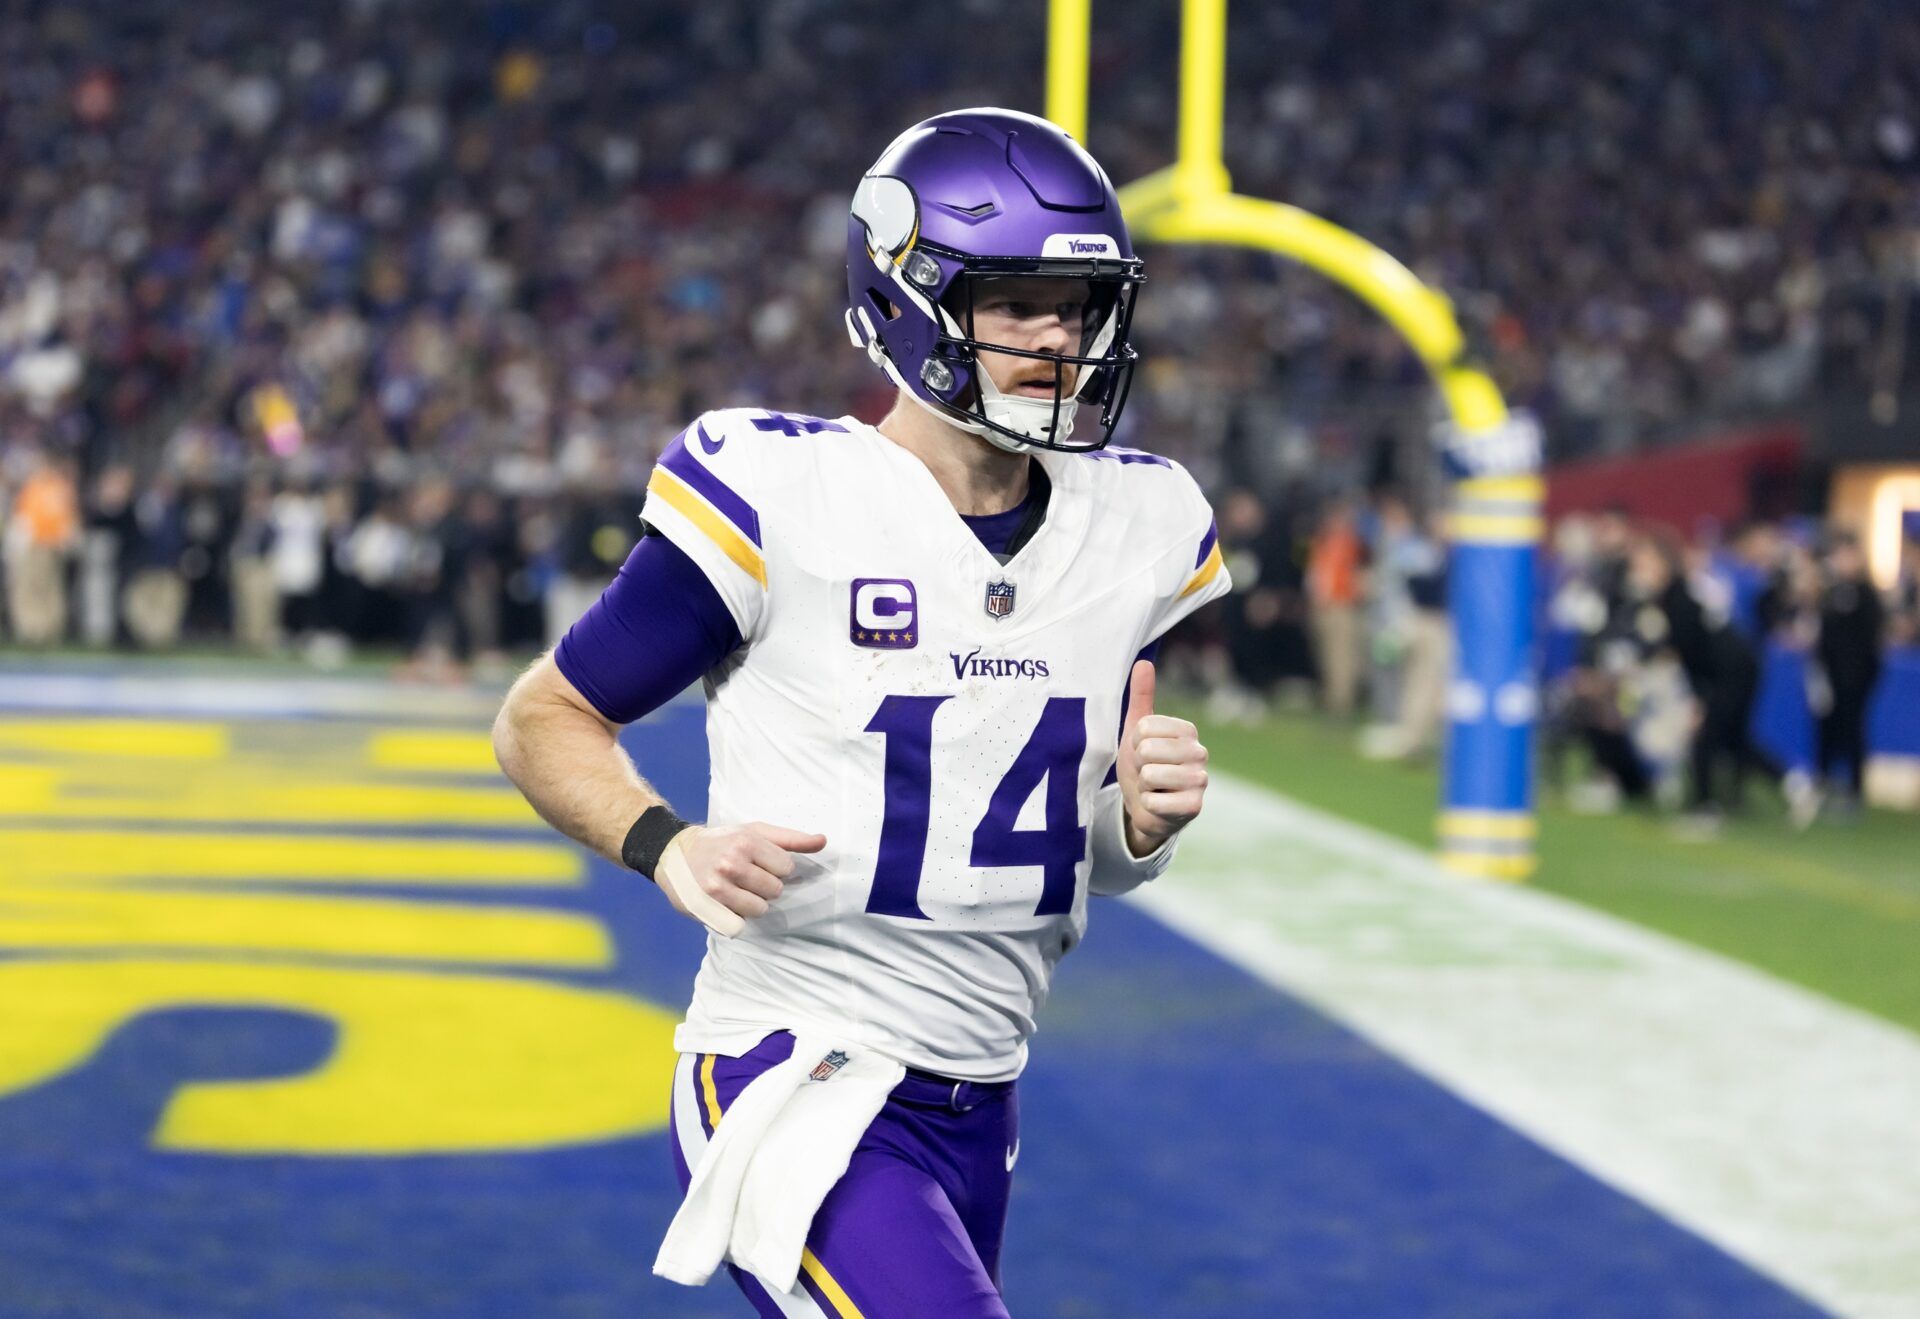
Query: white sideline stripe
column 1778, row 1124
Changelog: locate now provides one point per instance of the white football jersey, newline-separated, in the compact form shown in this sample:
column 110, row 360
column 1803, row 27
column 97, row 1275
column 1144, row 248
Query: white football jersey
column 947, row 721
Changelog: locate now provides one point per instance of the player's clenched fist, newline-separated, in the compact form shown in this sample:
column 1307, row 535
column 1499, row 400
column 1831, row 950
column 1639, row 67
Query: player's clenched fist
column 721, row 876
column 1163, row 768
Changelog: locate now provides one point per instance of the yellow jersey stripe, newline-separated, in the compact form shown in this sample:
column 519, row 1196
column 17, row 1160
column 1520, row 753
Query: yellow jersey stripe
column 836, row 1295
column 1207, row 571
column 708, row 1094
column 717, row 529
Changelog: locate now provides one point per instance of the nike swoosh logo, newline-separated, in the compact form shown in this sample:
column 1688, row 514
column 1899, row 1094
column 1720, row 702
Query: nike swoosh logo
column 710, row 445
column 1013, row 1155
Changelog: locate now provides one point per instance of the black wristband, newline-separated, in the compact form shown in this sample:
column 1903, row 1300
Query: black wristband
column 656, row 827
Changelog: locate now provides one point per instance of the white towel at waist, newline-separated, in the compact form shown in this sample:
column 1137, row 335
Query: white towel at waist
column 783, row 1144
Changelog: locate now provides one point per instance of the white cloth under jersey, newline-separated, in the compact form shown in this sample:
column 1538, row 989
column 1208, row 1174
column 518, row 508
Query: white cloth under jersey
column 788, row 1137
column 947, row 721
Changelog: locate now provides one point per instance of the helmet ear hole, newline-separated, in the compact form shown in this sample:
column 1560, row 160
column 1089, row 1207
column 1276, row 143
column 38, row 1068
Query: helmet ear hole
column 882, row 305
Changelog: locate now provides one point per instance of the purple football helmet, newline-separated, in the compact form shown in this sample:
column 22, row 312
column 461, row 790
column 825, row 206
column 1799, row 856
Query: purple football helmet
column 969, row 197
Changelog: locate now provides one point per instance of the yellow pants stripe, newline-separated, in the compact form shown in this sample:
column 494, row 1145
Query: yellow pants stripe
column 836, row 1294
column 708, row 1095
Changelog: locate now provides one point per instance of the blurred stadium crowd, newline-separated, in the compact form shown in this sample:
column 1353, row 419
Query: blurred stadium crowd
column 1654, row 652
column 1658, row 647
column 406, row 231
column 365, row 321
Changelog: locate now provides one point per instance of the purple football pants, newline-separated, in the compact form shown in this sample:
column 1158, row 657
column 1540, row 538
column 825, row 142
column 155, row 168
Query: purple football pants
column 913, row 1229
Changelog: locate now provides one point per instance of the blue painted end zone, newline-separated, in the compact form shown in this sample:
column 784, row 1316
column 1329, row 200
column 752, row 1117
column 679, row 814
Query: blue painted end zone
column 1195, row 1144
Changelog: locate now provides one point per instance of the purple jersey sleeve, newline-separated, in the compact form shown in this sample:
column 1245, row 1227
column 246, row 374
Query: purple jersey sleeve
column 656, row 629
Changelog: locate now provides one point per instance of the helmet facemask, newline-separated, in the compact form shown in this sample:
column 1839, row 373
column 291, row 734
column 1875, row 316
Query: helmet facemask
column 917, row 314
column 1094, row 372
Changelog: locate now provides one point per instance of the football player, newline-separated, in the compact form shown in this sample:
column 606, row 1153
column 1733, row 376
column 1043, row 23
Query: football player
column 926, row 650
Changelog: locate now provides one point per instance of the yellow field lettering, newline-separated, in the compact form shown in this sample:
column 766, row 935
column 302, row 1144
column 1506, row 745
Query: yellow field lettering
column 426, row 1063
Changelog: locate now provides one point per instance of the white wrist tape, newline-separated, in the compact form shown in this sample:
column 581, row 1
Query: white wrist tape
column 676, row 876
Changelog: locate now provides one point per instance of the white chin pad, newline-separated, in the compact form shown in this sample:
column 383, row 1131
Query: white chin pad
column 1028, row 416
column 1023, row 415
column 1017, row 412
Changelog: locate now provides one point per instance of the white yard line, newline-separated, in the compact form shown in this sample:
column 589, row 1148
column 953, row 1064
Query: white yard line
column 1776, row 1123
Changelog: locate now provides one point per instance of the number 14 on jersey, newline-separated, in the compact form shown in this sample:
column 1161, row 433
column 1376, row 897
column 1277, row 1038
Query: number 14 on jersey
column 1051, row 756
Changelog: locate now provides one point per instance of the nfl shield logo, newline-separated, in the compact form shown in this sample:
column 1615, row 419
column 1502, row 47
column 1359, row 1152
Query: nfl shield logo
column 828, row 1065
column 999, row 599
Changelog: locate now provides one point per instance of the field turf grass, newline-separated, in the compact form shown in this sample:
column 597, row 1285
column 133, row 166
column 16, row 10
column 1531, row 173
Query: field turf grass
column 1836, row 908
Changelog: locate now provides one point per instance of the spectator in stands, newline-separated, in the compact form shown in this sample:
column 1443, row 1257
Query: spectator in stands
column 155, row 596
column 1429, row 663
column 209, row 510
column 298, row 545
column 1335, row 583
column 256, row 605
column 40, row 537
column 1848, row 665
column 1264, row 618
column 480, row 556
column 337, row 604
column 1721, row 753
column 1749, row 563
column 377, row 558
column 1719, row 675
column 435, row 637
column 1389, row 609
column 1411, row 642
column 108, row 560
column 1589, row 703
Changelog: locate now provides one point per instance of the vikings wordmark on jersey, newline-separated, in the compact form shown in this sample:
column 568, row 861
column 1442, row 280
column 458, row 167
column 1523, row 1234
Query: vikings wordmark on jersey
column 952, row 755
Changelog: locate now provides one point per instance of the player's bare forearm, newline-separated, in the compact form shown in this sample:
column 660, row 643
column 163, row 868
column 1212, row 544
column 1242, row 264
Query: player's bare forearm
column 566, row 759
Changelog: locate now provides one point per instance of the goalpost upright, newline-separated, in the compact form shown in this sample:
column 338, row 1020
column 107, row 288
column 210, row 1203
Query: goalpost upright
column 1486, row 822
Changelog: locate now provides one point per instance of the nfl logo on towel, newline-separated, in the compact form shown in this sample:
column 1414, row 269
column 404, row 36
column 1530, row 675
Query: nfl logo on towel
column 828, row 1065
column 999, row 599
